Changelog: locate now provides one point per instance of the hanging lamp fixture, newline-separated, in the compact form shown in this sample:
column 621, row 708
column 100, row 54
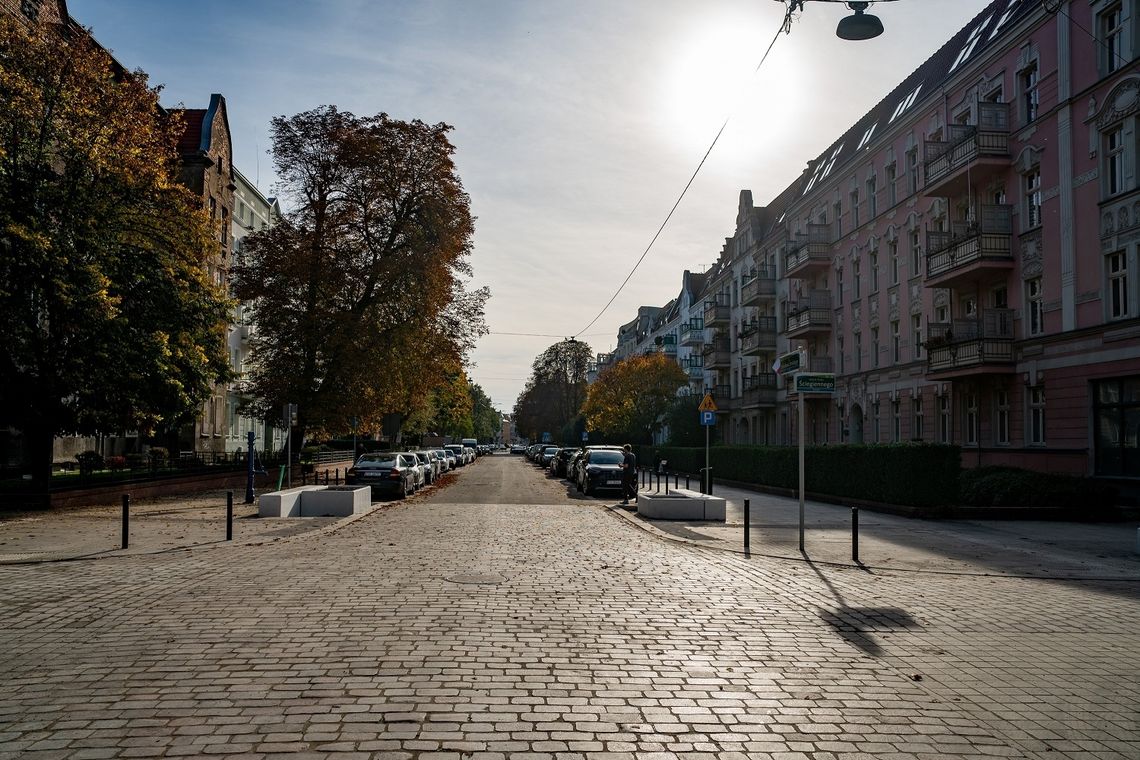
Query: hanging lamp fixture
column 860, row 25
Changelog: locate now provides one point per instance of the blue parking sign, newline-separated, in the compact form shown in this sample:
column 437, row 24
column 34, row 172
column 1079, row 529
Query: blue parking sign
column 708, row 418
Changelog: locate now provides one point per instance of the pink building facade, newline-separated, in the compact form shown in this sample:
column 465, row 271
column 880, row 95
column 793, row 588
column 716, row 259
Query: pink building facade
column 965, row 258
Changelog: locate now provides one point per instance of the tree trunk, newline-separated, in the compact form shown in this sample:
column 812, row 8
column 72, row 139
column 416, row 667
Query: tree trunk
column 39, row 443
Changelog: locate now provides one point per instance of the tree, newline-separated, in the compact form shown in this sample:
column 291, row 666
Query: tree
column 683, row 420
column 357, row 294
column 554, row 393
column 630, row 397
column 486, row 422
column 109, row 319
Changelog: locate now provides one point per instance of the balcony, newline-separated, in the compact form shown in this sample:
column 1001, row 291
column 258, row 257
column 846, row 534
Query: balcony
column 717, row 311
column 810, row 316
column 979, row 346
column 759, row 390
column 758, row 336
column 693, row 333
column 722, row 395
column 668, row 344
column 810, row 253
column 718, row 353
column 758, row 288
column 971, row 250
column 694, row 367
column 970, row 156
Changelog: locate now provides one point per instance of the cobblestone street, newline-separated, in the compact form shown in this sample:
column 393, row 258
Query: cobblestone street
column 435, row 629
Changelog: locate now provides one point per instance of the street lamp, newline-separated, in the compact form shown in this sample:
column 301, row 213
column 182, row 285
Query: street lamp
column 860, row 25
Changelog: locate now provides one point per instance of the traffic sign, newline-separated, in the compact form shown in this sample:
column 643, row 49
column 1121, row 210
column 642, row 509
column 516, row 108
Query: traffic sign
column 708, row 418
column 814, row 382
column 707, row 404
column 788, row 363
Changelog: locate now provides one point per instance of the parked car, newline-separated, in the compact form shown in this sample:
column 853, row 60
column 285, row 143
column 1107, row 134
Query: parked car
column 518, row 448
column 421, row 476
column 572, row 464
column 446, row 460
column 561, row 460
column 387, row 472
column 470, row 454
column 543, row 458
column 457, row 450
column 600, row 468
column 431, row 465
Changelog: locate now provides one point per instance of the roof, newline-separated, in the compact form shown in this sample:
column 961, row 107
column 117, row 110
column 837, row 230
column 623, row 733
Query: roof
column 198, row 125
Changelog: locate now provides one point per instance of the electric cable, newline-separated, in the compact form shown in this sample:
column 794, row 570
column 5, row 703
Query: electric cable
column 783, row 26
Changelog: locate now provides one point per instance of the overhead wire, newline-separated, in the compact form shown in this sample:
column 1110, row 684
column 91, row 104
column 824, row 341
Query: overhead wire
column 784, row 22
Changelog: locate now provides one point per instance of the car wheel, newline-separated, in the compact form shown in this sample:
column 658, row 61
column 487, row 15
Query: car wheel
column 404, row 490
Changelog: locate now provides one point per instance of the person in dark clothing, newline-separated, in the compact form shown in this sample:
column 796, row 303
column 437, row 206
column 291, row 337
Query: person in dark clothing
column 628, row 475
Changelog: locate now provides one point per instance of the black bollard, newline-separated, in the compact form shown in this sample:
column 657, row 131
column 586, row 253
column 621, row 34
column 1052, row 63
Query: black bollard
column 855, row 534
column 336, row 477
column 326, row 476
column 126, row 520
column 747, row 506
column 686, row 481
column 658, row 481
column 666, row 484
column 229, row 515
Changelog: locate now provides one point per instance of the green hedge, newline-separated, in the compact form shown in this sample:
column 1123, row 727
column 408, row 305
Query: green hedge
column 921, row 475
column 1013, row 487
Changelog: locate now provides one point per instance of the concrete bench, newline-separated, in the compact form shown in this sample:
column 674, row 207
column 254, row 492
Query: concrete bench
column 315, row 501
column 680, row 504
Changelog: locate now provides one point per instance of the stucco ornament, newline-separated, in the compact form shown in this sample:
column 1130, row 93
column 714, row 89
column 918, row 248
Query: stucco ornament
column 1122, row 102
column 1031, row 263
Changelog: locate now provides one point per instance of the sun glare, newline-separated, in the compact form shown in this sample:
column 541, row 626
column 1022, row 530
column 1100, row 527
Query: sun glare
column 713, row 76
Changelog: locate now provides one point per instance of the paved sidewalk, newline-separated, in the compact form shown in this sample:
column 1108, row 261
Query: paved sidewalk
column 1003, row 547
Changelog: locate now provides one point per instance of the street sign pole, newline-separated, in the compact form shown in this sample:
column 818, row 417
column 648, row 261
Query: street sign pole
column 801, row 405
column 708, row 472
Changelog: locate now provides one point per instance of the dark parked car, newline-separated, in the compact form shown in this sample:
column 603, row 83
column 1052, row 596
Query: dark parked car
column 560, row 464
column 543, row 458
column 600, row 468
column 387, row 472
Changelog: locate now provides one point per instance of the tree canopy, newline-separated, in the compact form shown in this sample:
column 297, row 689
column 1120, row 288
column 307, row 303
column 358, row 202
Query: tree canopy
column 552, row 398
column 109, row 319
column 359, row 294
column 630, row 396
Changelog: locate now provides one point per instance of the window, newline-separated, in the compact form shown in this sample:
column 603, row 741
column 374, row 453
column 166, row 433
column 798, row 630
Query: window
column 919, row 426
column 906, row 103
column 878, row 430
column 893, row 255
column 1037, row 416
column 912, row 170
column 855, row 285
column 1117, row 266
column 838, row 211
column 854, row 209
column 896, row 421
column 842, row 357
column 892, row 190
column 944, row 429
column 971, row 420
column 874, row 346
column 1033, row 199
column 915, row 254
column 1001, row 421
column 896, row 342
column 1027, row 79
column 872, row 201
column 916, row 335
column 971, row 43
column 942, row 314
column 874, row 271
column 1116, row 415
column 1110, row 30
column 970, row 307
column 858, row 351
column 1034, row 306
column 1114, row 161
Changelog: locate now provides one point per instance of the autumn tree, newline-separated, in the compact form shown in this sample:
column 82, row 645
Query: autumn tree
column 486, row 422
column 553, row 395
column 631, row 396
column 108, row 317
column 359, row 294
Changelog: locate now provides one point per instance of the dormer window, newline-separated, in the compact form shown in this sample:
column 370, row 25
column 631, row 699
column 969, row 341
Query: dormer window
column 867, row 136
column 971, row 44
column 906, row 103
column 1009, row 9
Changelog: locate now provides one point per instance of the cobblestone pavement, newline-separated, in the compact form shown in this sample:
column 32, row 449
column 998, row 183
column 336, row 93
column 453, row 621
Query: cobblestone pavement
column 431, row 629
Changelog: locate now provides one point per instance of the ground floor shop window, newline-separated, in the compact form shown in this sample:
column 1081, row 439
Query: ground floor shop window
column 1116, row 415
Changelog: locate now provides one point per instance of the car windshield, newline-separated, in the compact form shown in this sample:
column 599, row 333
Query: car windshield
column 605, row 457
column 422, row 456
column 377, row 460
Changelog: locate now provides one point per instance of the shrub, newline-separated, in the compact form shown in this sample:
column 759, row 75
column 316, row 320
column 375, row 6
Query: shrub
column 137, row 461
column 116, row 463
column 1079, row 496
column 89, row 462
column 158, row 456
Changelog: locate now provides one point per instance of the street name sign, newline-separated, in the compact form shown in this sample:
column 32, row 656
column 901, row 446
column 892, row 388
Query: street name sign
column 814, row 382
column 788, row 363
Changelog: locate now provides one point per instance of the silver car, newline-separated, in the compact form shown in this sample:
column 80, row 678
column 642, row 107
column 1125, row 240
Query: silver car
column 431, row 465
column 418, row 466
column 446, row 460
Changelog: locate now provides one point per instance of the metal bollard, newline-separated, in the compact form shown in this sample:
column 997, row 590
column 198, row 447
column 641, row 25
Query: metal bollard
column 229, row 515
column 336, row 477
column 666, row 484
column 326, row 476
column 686, row 481
column 658, row 489
column 747, row 506
column 126, row 520
column 855, row 534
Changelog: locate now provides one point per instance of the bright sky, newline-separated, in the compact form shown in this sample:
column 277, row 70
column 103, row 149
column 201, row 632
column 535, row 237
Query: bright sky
column 577, row 124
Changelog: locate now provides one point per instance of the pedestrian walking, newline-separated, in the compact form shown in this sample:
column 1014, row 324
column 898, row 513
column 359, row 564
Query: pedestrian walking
column 628, row 475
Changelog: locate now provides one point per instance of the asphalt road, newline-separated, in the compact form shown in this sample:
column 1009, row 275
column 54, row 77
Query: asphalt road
column 505, row 479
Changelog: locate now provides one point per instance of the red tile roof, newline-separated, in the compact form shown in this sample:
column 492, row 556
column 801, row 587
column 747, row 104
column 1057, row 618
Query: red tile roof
column 192, row 119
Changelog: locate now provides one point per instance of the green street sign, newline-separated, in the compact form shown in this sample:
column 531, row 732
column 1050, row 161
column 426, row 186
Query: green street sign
column 787, row 364
column 814, row 382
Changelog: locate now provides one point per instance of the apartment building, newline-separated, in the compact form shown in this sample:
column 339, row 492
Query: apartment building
column 965, row 257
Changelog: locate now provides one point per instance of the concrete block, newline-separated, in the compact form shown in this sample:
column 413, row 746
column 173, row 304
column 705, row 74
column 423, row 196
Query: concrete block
column 336, row 501
column 285, row 503
column 680, row 504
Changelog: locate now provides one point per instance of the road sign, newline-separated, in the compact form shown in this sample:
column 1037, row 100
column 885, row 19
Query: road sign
column 814, row 382
column 707, row 404
column 708, row 418
column 788, row 363
column 585, row 435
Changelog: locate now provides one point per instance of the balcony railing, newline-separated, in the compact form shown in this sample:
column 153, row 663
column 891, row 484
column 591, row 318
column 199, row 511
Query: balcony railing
column 972, row 344
column 810, row 251
column 965, row 144
column 693, row 332
column 811, row 314
column 759, row 390
column 717, row 311
column 718, row 353
column 722, row 395
column 757, row 287
column 969, row 246
column 758, row 336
